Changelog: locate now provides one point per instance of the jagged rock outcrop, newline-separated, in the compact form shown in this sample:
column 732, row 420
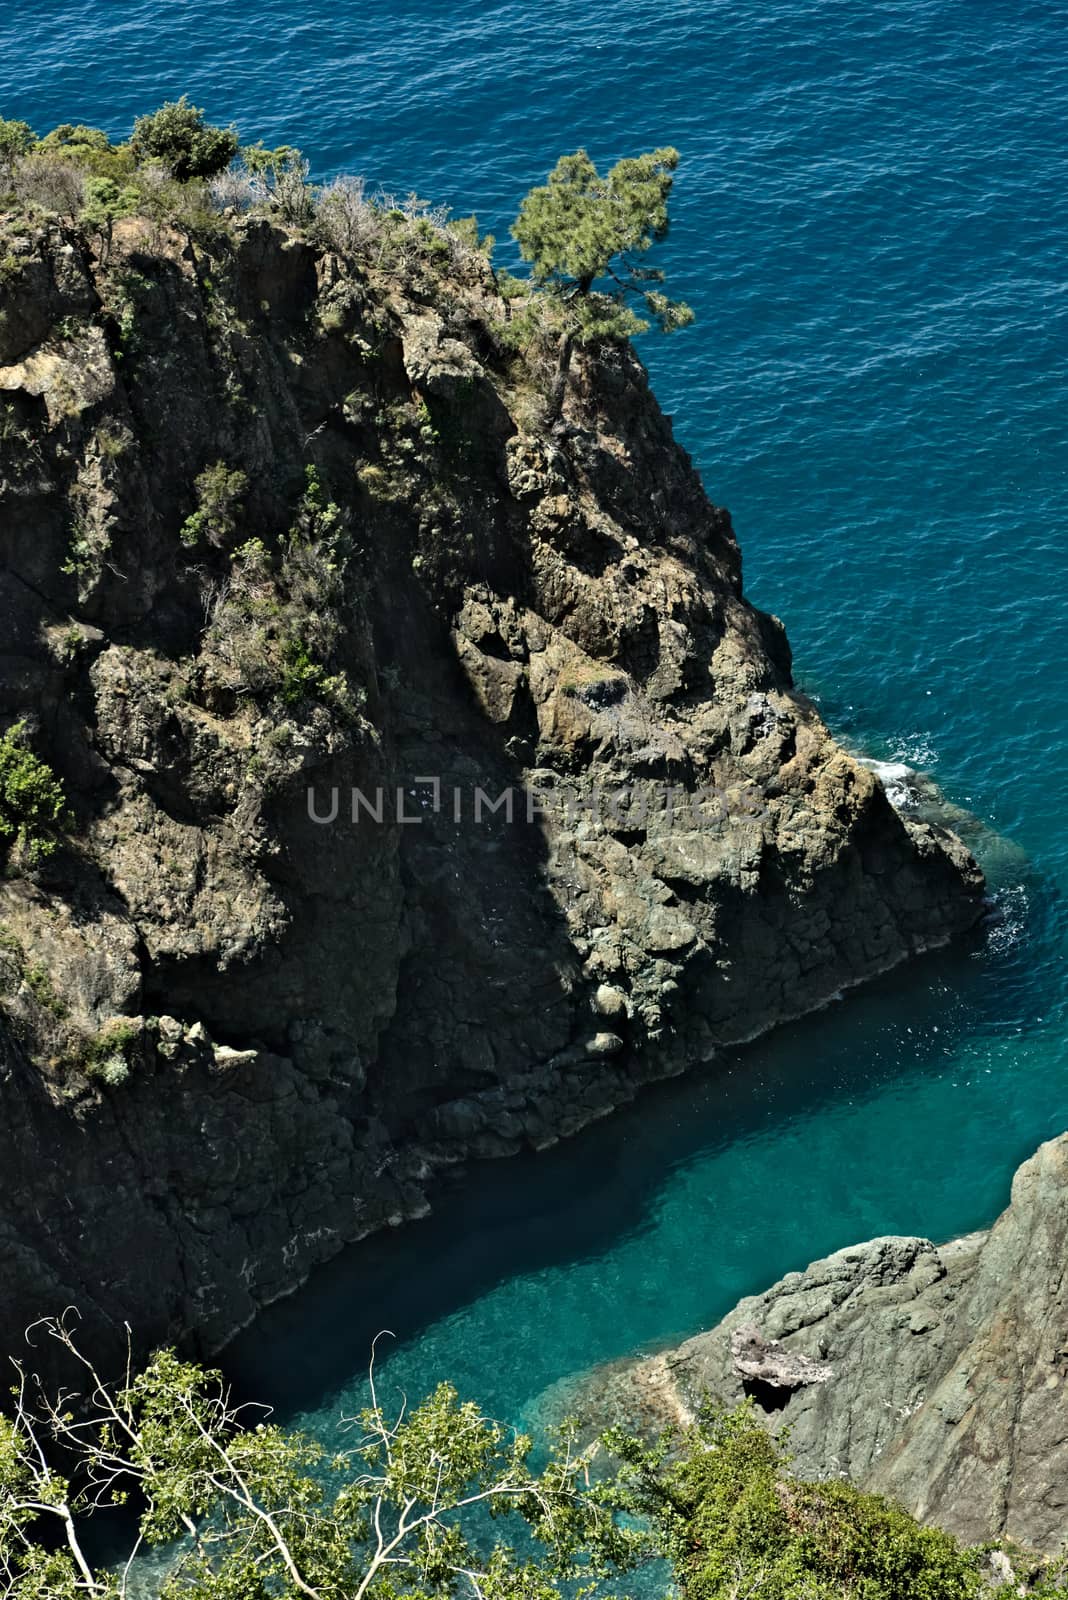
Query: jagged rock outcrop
column 236, row 1035
column 946, row 1368
column 766, row 1367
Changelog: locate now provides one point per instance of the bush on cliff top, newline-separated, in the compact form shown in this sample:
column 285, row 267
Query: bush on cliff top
column 584, row 234
column 16, row 138
column 178, row 136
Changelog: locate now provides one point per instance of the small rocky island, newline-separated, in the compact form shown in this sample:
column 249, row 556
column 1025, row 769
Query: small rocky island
column 299, row 558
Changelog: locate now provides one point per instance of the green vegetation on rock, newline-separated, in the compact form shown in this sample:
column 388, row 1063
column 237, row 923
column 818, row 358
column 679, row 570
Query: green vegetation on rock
column 106, row 1056
column 411, row 1507
column 278, row 623
column 280, row 176
column 105, row 204
column 219, row 491
column 178, row 136
column 33, row 806
column 580, row 232
column 733, row 1520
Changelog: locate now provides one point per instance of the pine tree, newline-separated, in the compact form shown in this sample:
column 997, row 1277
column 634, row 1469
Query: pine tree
column 581, row 232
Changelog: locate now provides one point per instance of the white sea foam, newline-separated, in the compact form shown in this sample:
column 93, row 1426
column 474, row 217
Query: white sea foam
column 897, row 779
column 1008, row 919
column 914, row 750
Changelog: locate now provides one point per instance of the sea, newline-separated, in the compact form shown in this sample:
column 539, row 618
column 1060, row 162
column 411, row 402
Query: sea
column 870, row 221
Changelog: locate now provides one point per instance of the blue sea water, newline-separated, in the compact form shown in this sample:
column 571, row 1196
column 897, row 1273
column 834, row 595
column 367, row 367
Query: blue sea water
column 871, row 222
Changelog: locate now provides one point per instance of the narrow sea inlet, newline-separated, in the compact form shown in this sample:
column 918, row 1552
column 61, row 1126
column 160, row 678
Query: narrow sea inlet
column 870, row 226
column 903, row 1109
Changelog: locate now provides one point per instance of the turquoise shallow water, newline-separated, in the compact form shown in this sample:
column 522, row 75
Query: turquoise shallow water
column 871, row 224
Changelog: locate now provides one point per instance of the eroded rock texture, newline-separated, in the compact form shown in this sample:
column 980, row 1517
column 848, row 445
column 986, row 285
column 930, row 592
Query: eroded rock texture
column 235, row 1039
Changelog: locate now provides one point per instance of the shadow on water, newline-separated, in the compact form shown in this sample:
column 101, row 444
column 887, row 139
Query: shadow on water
column 574, row 1201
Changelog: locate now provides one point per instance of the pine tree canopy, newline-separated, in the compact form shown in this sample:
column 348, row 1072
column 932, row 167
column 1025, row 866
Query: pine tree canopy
column 580, row 229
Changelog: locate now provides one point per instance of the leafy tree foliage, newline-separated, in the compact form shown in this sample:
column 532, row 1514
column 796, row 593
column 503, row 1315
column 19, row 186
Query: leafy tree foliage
column 33, row 807
column 583, row 234
column 580, row 229
column 178, row 136
column 410, row 1510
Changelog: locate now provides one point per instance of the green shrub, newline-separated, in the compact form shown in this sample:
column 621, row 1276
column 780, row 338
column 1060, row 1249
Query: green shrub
column 317, row 517
column 279, row 623
column 106, row 1057
column 39, row 982
column 105, row 204
column 88, row 150
column 16, row 970
column 16, row 138
column 466, row 230
column 219, row 491
column 112, row 443
column 732, row 1520
column 71, row 136
column 1052, row 1585
column 178, row 136
column 302, row 675
column 436, row 1503
column 280, row 177
column 33, row 807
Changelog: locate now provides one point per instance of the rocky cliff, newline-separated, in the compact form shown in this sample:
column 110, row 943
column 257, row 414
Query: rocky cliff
column 278, row 518
column 936, row 1375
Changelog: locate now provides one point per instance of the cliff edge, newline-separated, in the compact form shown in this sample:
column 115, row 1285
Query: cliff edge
column 293, row 568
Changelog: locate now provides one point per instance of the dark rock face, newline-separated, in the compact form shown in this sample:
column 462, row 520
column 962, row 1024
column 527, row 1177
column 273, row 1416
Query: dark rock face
column 947, row 1368
column 320, row 1016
